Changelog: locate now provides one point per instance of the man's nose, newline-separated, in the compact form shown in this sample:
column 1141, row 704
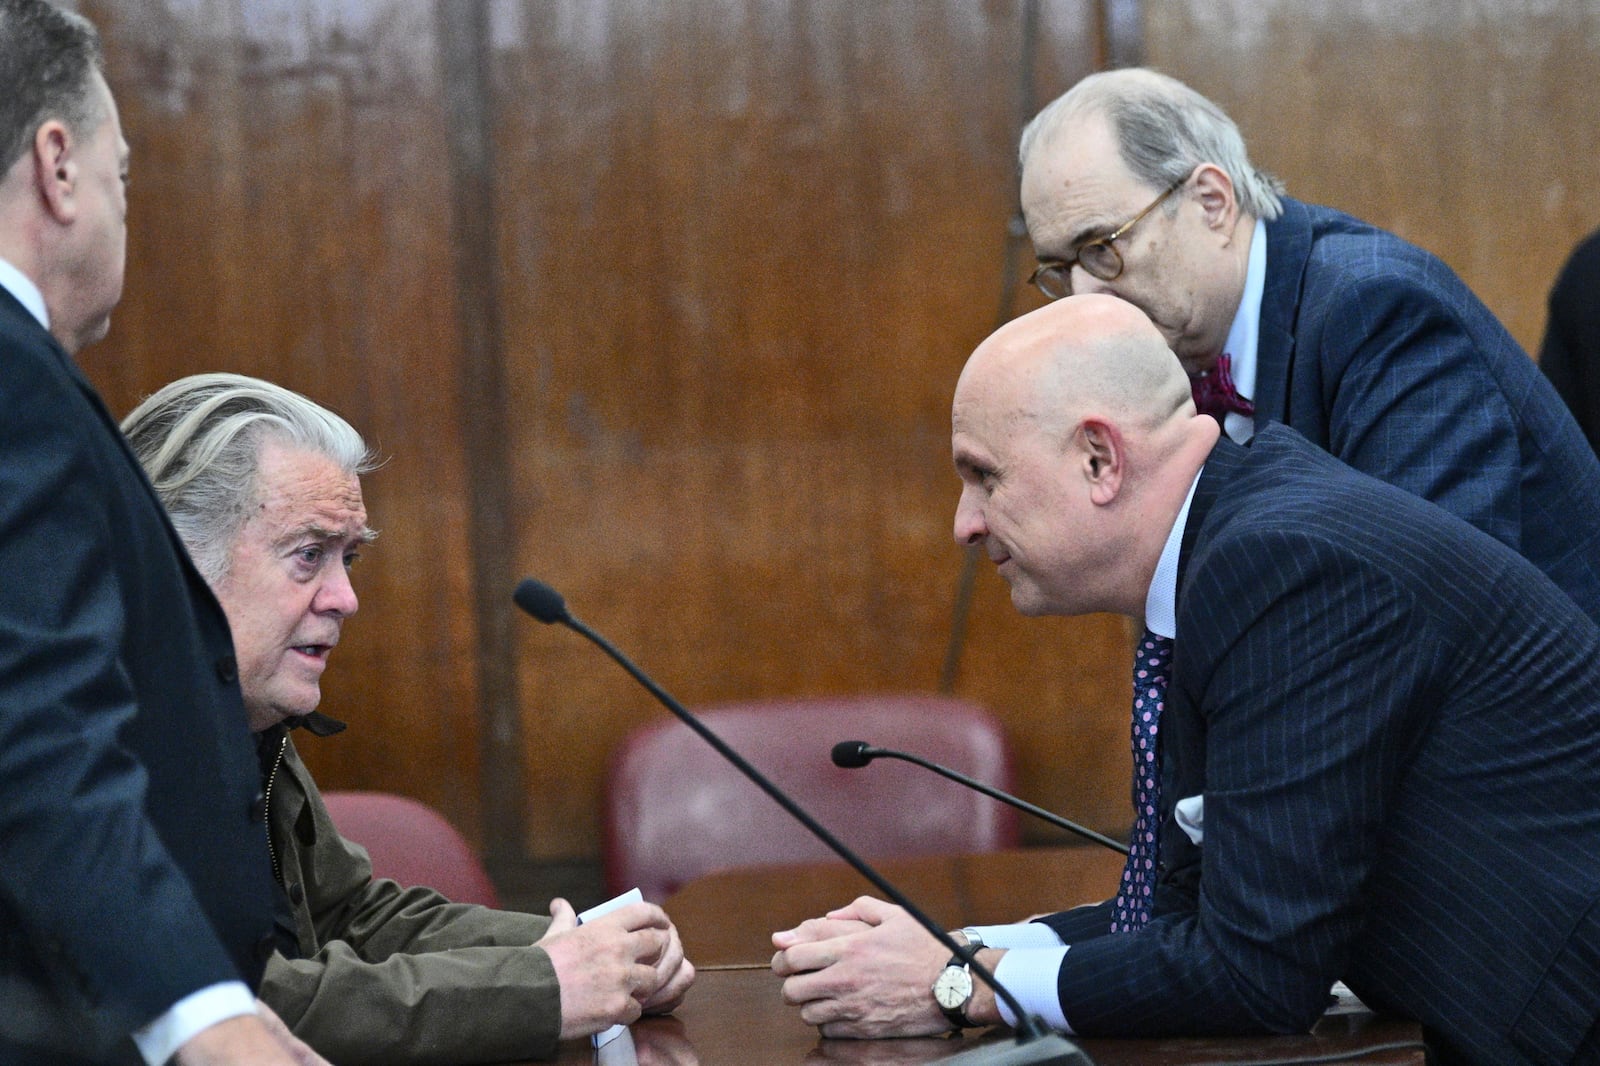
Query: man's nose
column 338, row 594
column 969, row 527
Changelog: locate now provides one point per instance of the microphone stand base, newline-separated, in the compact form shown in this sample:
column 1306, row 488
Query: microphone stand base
column 1051, row 1049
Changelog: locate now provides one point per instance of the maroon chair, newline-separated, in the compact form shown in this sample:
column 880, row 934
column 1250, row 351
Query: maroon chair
column 411, row 843
column 676, row 810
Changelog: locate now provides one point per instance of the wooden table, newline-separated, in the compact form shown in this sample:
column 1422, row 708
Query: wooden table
column 735, row 1014
column 729, row 916
column 735, row 1017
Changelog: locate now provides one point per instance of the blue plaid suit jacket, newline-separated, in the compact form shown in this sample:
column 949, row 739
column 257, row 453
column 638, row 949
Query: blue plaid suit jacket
column 1376, row 351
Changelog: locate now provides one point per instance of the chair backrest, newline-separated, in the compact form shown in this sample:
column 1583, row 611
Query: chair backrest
column 413, row 844
column 675, row 809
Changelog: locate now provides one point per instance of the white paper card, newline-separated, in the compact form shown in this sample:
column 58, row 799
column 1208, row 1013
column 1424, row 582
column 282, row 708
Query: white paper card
column 633, row 895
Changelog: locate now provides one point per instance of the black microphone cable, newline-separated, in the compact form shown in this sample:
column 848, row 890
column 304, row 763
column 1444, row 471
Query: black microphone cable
column 546, row 604
column 852, row 754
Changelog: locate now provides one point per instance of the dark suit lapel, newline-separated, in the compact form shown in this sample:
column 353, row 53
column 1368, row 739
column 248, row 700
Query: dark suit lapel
column 1288, row 248
column 19, row 322
column 22, row 322
column 1182, row 724
column 1224, row 460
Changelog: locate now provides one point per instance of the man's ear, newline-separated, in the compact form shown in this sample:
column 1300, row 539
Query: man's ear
column 1100, row 450
column 1214, row 190
column 55, row 168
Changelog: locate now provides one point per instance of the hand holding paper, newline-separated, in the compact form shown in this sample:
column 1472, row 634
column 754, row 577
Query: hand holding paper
column 633, row 895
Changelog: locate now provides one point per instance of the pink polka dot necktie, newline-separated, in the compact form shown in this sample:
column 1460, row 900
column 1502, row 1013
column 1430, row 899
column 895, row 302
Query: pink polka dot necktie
column 1214, row 393
column 1137, row 891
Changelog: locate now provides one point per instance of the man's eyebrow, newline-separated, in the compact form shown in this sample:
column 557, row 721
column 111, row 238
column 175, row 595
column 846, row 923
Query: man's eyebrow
column 366, row 535
column 1091, row 231
column 966, row 462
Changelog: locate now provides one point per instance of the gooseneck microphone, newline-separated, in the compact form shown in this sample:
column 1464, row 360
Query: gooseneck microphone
column 853, row 754
column 1035, row 1045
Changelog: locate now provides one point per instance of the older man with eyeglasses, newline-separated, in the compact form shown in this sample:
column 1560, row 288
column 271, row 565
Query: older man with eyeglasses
column 1135, row 185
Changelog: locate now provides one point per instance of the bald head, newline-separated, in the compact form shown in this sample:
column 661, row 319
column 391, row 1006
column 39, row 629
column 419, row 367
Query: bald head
column 1076, row 441
column 1084, row 354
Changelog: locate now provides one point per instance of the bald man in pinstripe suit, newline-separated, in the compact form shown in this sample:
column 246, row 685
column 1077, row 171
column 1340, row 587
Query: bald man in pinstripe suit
column 1379, row 748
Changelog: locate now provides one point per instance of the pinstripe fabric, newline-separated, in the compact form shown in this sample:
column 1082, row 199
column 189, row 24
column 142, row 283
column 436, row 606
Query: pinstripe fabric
column 1376, row 351
column 1395, row 723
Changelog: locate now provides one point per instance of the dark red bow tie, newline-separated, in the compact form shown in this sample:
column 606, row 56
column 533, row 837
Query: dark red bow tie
column 1215, row 395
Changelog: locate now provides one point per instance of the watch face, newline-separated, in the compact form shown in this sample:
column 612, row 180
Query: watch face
column 953, row 988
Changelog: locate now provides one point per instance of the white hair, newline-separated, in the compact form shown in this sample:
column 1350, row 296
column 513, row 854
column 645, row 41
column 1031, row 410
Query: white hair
column 1164, row 129
column 199, row 441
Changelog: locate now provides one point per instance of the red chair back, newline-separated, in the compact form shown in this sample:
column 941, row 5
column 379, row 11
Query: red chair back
column 675, row 809
column 413, row 844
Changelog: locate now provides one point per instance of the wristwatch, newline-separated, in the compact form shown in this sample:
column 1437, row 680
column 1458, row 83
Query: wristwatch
column 952, row 990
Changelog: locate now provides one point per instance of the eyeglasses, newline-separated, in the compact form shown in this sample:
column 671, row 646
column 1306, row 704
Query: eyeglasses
column 1099, row 257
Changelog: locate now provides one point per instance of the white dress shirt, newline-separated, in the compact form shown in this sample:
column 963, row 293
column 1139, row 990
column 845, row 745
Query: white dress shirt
column 1244, row 335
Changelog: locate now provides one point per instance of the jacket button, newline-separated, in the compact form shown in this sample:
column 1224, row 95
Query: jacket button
column 228, row 669
column 258, row 808
column 297, row 893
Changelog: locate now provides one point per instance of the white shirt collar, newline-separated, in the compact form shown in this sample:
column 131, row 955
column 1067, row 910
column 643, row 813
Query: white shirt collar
column 27, row 293
column 1245, row 333
column 1161, row 602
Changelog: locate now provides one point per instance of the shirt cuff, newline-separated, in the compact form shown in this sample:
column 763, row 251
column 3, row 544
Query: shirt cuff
column 161, row 1039
column 1031, row 974
column 1020, row 935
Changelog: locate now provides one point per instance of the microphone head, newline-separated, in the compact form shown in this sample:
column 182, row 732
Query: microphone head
column 541, row 601
column 851, row 754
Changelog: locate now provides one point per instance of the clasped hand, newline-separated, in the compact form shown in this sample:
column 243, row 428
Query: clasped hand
column 865, row 970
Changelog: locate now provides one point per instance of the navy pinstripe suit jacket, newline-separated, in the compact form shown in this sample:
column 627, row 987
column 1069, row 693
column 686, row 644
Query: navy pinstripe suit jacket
column 1395, row 725
column 1376, row 351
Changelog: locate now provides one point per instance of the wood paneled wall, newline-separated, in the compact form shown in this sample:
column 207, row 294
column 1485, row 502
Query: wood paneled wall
column 1466, row 127
column 664, row 303
column 757, row 250
column 290, row 217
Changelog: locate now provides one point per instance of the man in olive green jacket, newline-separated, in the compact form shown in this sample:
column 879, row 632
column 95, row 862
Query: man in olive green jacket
column 264, row 488
column 384, row 974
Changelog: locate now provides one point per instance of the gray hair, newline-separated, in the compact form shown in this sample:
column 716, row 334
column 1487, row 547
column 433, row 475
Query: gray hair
column 48, row 58
column 199, row 440
column 1164, row 129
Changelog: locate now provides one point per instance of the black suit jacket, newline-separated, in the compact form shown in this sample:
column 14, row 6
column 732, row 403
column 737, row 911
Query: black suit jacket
column 1570, row 355
column 1376, row 351
column 1394, row 722
column 134, row 864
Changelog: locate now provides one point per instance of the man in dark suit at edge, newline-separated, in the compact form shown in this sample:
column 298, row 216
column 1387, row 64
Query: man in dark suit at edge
column 1135, row 185
column 1382, row 732
column 134, row 889
column 1570, row 353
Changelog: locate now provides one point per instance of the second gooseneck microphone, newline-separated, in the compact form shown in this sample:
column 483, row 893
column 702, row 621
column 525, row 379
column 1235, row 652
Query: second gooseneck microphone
column 853, row 754
column 1035, row 1045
